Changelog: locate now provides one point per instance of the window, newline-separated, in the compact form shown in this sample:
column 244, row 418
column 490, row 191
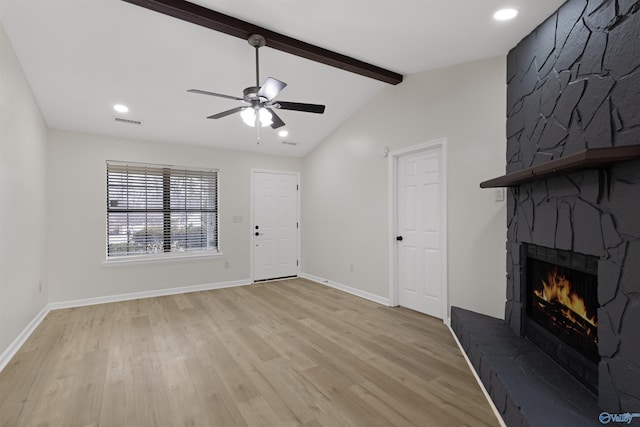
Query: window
column 155, row 209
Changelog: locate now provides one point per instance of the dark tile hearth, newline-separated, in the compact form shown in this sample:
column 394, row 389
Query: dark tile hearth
column 527, row 386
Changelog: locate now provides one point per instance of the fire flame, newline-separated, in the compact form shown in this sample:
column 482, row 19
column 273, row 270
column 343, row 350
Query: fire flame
column 558, row 288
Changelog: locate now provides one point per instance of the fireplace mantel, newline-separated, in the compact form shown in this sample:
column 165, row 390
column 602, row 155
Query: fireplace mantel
column 592, row 158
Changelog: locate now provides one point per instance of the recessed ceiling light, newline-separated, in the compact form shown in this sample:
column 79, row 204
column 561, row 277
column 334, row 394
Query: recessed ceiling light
column 121, row 108
column 505, row 14
column 283, row 133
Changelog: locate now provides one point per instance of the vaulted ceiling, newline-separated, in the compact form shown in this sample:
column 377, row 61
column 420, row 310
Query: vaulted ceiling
column 83, row 56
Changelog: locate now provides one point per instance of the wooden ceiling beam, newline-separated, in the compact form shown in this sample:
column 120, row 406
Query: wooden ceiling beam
column 217, row 21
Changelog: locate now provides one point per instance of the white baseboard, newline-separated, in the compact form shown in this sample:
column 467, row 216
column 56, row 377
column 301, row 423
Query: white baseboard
column 348, row 289
column 13, row 348
column 475, row 374
column 146, row 294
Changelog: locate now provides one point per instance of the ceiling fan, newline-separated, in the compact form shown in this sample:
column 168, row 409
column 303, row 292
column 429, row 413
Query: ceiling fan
column 260, row 100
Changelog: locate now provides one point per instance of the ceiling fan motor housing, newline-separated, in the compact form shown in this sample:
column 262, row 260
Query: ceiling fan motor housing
column 250, row 94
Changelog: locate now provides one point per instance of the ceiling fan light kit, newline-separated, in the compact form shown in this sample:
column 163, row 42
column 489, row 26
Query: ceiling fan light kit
column 252, row 116
column 259, row 101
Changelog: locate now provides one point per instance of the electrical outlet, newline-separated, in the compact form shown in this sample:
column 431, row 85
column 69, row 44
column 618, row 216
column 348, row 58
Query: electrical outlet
column 39, row 286
column 351, row 268
column 499, row 194
column 226, row 264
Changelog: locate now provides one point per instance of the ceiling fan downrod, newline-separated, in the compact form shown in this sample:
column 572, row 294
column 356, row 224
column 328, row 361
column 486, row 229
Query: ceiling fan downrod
column 257, row 41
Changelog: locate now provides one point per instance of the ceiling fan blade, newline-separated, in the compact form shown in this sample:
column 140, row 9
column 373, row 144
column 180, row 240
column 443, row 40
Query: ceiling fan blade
column 226, row 113
column 299, row 106
column 277, row 121
column 204, row 92
column 271, row 88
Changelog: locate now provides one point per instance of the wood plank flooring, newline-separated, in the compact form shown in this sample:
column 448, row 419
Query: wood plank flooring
column 287, row 353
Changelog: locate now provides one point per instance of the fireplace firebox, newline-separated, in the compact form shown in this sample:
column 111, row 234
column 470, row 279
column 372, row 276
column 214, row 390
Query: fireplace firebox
column 561, row 297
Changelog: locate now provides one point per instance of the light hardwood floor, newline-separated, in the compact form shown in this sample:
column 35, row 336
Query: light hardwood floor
column 288, row 353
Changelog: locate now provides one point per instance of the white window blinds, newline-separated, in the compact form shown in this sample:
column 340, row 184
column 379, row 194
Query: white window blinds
column 158, row 209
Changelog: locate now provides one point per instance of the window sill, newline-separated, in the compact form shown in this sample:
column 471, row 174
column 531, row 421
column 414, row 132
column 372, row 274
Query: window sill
column 152, row 259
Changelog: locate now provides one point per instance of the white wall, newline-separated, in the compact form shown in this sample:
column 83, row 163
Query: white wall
column 345, row 197
column 22, row 199
column 77, row 212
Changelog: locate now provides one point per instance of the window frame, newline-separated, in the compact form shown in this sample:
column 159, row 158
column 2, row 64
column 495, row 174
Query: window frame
column 166, row 254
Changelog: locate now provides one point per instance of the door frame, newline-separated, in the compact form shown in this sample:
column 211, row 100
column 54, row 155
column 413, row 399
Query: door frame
column 279, row 172
column 393, row 220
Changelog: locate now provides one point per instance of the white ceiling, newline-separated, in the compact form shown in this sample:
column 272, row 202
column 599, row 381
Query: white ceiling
column 83, row 56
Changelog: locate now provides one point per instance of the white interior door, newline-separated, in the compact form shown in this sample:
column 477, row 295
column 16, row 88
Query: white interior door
column 420, row 232
column 275, row 225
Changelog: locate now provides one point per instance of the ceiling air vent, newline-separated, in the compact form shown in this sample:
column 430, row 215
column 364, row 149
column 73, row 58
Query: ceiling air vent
column 289, row 143
column 127, row 121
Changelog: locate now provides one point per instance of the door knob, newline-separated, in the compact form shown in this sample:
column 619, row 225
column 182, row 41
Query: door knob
column 257, row 234
column 399, row 238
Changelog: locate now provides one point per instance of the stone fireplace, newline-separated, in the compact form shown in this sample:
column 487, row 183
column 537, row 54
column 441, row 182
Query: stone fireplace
column 573, row 98
column 574, row 84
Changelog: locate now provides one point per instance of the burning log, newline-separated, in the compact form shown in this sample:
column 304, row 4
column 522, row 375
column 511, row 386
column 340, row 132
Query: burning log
column 561, row 320
column 558, row 288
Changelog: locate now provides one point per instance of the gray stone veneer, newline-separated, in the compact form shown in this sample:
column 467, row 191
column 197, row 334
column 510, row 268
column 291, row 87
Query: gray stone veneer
column 574, row 83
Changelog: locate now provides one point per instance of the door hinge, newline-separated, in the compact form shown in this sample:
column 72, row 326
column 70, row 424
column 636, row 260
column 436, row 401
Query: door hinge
column 297, row 225
column 297, row 187
column 297, row 262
